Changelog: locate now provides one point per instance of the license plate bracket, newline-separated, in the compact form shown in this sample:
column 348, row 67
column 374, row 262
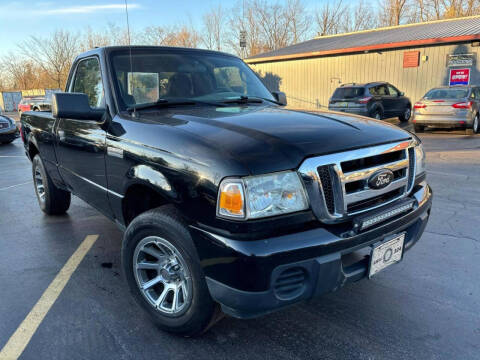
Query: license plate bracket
column 386, row 253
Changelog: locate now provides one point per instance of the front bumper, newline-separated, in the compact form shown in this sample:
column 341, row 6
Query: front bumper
column 9, row 134
column 251, row 278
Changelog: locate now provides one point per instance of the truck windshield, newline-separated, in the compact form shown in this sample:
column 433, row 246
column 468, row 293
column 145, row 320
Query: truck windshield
column 155, row 76
column 446, row 93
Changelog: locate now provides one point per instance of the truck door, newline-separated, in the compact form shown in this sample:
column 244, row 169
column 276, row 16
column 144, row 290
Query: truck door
column 81, row 143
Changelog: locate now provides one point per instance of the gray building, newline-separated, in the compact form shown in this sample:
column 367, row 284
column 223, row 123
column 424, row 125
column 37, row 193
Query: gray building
column 414, row 57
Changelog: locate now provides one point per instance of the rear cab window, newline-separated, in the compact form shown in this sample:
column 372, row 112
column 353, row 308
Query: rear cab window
column 349, row 92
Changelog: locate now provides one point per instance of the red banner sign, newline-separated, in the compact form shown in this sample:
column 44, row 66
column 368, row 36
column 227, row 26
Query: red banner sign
column 459, row 77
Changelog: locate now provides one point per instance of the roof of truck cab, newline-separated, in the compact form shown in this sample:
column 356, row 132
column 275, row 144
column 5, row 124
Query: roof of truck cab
column 109, row 49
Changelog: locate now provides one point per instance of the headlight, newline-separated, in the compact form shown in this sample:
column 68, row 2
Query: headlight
column 261, row 196
column 420, row 159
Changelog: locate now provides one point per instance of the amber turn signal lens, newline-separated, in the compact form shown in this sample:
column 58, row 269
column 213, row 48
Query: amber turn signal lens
column 231, row 200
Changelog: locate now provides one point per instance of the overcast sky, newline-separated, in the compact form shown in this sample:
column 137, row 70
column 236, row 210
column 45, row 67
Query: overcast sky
column 20, row 19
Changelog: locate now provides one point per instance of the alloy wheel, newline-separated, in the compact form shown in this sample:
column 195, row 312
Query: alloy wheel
column 407, row 114
column 162, row 276
column 39, row 184
column 475, row 125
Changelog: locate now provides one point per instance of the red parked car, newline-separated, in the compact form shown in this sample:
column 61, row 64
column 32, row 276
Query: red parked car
column 34, row 104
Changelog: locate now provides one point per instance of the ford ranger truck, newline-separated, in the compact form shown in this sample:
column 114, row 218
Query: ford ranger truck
column 230, row 204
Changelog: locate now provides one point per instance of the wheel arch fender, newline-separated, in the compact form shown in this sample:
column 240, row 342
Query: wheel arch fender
column 377, row 107
column 149, row 185
column 151, row 177
column 32, row 146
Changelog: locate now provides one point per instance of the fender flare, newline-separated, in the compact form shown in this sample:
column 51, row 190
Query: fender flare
column 149, row 176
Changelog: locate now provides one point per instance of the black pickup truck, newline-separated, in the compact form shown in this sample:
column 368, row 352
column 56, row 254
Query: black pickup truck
column 229, row 202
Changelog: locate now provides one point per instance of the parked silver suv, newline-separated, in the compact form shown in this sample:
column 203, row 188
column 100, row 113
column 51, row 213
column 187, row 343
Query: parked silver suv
column 448, row 107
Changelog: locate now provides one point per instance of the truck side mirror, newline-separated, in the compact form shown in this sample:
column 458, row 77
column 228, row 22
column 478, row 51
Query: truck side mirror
column 280, row 97
column 74, row 106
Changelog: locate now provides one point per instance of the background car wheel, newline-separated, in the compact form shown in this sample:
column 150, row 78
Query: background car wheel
column 377, row 114
column 6, row 142
column 52, row 200
column 419, row 128
column 476, row 125
column 163, row 272
column 406, row 115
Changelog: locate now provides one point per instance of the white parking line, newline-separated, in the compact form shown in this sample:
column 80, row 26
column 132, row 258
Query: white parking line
column 21, row 337
column 12, row 186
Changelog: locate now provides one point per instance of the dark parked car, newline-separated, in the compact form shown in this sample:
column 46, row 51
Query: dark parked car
column 449, row 107
column 228, row 201
column 377, row 100
column 8, row 130
column 35, row 104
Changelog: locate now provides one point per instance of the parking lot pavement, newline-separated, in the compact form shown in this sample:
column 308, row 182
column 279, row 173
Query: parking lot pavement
column 426, row 307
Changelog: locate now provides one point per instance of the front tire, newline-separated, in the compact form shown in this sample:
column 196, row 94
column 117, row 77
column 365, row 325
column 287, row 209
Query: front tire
column 163, row 272
column 52, row 200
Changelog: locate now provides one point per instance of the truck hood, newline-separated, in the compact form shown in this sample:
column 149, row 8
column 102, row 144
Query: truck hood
column 268, row 138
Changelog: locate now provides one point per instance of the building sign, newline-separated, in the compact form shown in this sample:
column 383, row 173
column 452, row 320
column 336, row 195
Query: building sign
column 459, row 77
column 460, row 60
column 243, row 39
column 410, row 59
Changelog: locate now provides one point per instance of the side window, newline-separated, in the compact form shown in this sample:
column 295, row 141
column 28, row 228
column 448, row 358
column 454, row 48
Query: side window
column 475, row 93
column 382, row 90
column 373, row 90
column 88, row 80
column 392, row 90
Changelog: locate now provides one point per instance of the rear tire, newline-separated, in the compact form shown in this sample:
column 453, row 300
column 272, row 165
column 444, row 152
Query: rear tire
column 377, row 114
column 476, row 124
column 52, row 200
column 419, row 128
column 406, row 115
column 157, row 239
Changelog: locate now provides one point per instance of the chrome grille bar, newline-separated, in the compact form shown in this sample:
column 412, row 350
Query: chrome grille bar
column 343, row 198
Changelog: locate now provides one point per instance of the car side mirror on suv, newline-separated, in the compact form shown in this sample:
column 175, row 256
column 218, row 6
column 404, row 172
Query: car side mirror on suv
column 401, row 93
column 74, row 106
column 280, row 97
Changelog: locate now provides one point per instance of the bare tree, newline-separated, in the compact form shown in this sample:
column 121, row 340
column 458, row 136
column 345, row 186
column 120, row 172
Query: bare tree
column 156, row 35
column 214, row 27
column 299, row 21
column 358, row 17
column 393, row 12
column 54, row 55
column 244, row 18
column 328, row 18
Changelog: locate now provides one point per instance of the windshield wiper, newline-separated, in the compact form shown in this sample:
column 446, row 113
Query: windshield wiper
column 249, row 100
column 162, row 103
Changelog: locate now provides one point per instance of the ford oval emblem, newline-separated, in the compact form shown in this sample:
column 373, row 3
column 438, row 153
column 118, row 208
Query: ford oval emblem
column 380, row 179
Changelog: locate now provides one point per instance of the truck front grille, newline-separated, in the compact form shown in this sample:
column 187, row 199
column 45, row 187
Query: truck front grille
column 326, row 180
column 342, row 179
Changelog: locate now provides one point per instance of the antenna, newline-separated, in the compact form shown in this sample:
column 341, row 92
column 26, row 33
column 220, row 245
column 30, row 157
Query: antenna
column 130, row 55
